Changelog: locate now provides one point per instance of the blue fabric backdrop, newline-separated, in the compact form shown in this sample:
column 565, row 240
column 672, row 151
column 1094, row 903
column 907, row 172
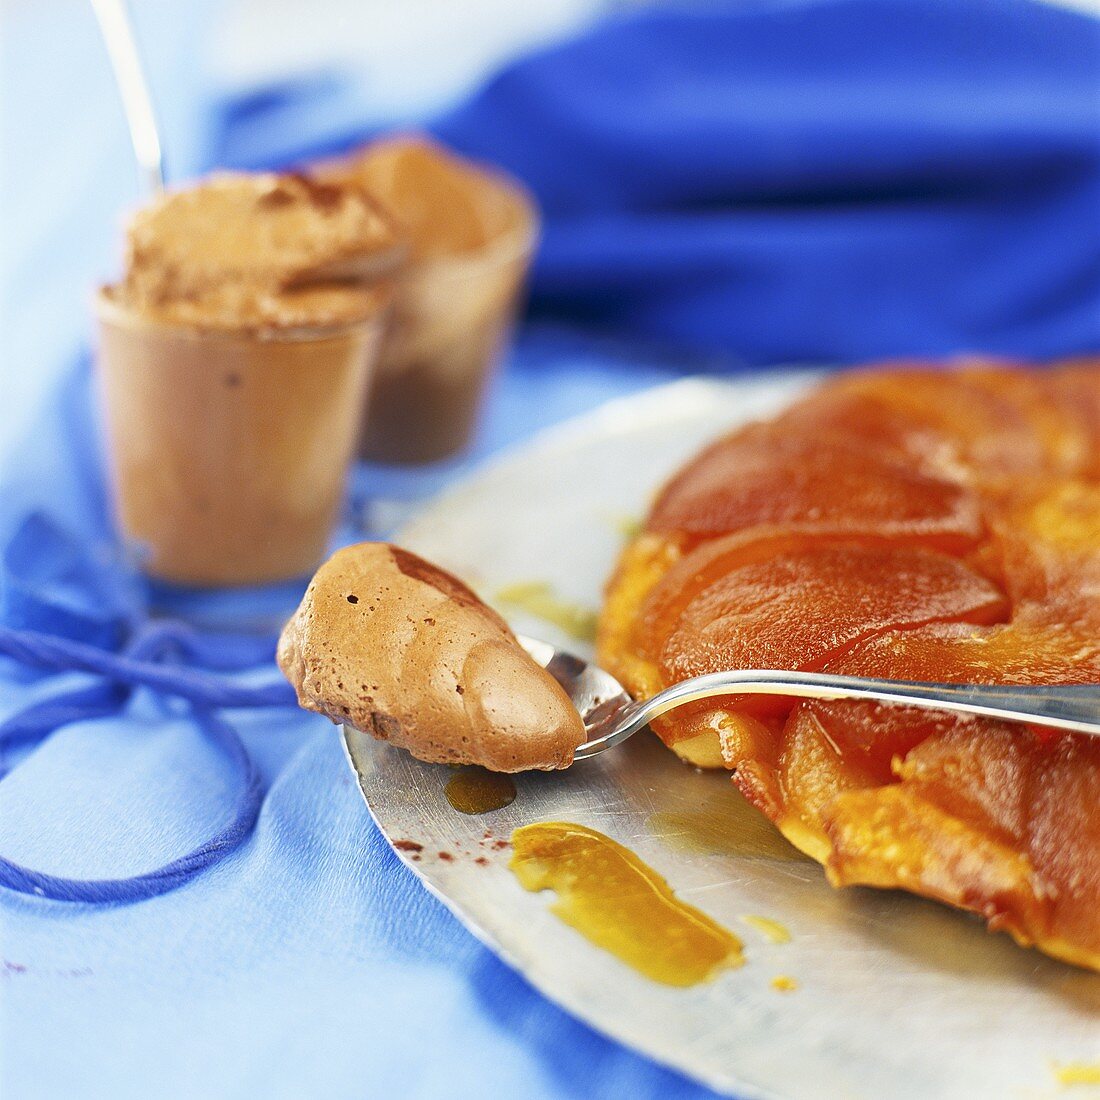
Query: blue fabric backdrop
column 763, row 181
column 829, row 181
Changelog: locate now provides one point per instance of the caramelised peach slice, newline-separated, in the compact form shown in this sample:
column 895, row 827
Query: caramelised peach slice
column 1045, row 552
column 790, row 604
column 995, row 423
column 766, row 478
column 996, row 819
column 950, row 653
column 1076, row 395
column 799, row 609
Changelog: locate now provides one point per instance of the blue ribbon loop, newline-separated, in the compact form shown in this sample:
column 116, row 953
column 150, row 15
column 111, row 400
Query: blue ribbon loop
column 49, row 581
column 62, row 612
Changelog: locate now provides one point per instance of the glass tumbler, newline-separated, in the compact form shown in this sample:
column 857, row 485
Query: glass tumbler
column 451, row 319
column 227, row 452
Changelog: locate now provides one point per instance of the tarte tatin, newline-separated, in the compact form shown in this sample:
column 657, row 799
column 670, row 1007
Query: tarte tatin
column 911, row 523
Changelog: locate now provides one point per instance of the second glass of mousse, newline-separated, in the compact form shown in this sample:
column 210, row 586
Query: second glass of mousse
column 471, row 233
column 234, row 360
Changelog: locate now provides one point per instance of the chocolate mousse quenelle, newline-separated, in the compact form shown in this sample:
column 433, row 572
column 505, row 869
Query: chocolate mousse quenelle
column 234, row 357
column 394, row 646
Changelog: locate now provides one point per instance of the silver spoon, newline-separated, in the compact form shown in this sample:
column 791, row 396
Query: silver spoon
column 610, row 715
column 118, row 34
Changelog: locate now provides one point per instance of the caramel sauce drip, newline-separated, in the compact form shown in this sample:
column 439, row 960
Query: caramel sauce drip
column 1078, row 1073
column 474, row 790
column 622, row 905
column 771, row 929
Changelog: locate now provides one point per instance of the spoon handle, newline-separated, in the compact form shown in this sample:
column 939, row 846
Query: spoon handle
column 1075, row 708
column 118, row 34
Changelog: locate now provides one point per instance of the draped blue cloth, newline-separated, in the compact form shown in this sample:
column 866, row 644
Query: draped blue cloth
column 191, row 892
column 831, row 181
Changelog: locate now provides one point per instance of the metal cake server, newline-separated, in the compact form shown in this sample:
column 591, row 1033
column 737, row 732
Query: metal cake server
column 611, row 715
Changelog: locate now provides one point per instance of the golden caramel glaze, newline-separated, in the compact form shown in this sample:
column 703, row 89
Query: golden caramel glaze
column 476, row 790
column 621, row 904
column 399, row 649
column 914, row 523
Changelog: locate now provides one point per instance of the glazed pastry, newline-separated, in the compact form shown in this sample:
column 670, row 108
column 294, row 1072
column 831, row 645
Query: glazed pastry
column 913, row 524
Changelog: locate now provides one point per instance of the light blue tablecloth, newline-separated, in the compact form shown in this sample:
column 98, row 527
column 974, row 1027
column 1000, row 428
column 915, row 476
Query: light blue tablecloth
column 310, row 962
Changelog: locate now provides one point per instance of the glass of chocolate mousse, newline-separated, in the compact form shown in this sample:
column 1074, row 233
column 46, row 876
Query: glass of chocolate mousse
column 471, row 233
column 234, row 358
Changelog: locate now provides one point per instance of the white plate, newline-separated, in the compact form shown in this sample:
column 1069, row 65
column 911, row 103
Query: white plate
column 897, row 997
